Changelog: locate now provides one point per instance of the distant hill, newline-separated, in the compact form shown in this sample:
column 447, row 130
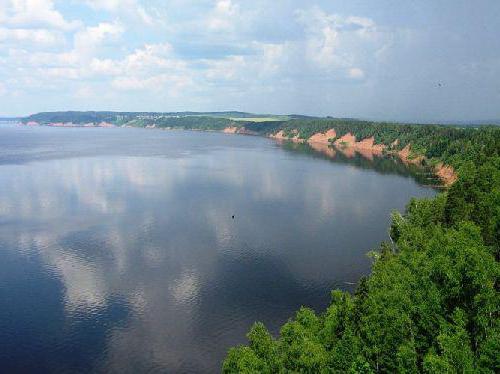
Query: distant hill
column 181, row 118
column 483, row 122
column 10, row 119
column 138, row 118
column 78, row 117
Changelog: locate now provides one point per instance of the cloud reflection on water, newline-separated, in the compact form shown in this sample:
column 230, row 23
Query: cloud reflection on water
column 155, row 236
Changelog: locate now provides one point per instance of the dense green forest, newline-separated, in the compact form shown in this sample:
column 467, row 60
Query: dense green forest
column 431, row 303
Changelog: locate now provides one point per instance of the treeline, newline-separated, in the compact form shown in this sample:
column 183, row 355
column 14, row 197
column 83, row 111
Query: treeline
column 449, row 144
column 120, row 118
column 431, row 303
column 78, row 117
column 205, row 123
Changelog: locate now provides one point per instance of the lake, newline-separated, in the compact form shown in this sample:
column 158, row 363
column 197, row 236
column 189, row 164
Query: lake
column 119, row 251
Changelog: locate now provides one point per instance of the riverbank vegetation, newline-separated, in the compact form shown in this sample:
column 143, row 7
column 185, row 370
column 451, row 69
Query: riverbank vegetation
column 435, row 142
column 431, row 303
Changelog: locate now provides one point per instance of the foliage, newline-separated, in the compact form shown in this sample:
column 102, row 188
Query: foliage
column 431, row 303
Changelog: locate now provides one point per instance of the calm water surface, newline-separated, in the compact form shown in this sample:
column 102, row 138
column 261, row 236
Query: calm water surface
column 118, row 251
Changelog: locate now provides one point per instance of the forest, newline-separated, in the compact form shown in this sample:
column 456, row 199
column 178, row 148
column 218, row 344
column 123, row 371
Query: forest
column 431, row 302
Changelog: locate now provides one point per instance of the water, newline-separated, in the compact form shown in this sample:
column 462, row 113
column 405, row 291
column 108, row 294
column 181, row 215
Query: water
column 119, row 253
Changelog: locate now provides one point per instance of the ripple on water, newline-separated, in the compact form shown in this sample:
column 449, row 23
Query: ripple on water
column 118, row 251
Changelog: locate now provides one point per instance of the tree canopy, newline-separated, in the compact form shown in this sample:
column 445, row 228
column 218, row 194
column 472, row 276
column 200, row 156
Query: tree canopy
column 431, row 303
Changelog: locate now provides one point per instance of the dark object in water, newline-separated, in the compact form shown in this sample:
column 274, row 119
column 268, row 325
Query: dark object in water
column 233, row 216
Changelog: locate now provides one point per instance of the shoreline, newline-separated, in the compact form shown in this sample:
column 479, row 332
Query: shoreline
column 328, row 142
column 367, row 147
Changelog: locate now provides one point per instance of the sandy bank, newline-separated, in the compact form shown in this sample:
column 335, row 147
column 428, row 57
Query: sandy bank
column 406, row 156
column 280, row 135
column 323, row 138
column 230, row 130
column 446, row 174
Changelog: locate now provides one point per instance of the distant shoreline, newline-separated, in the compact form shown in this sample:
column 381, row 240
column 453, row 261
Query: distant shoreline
column 324, row 142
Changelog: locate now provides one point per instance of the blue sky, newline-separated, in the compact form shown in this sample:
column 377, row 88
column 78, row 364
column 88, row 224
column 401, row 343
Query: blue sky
column 421, row 60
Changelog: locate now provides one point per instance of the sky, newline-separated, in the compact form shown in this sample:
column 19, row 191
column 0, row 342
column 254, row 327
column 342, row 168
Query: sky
column 408, row 60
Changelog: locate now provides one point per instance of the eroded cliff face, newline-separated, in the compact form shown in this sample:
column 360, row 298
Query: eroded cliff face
column 349, row 147
column 346, row 144
column 280, row 135
column 230, row 130
column 405, row 156
column 323, row 138
column 369, row 144
column 346, row 140
column 366, row 147
column 238, row 130
column 446, row 173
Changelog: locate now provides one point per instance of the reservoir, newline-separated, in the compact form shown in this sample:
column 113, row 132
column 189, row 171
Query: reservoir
column 133, row 250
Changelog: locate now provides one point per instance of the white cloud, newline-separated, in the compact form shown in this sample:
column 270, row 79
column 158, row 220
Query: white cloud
column 30, row 68
column 87, row 40
column 34, row 13
column 60, row 72
column 356, row 73
column 105, row 67
column 331, row 45
column 274, row 57
column 153, row 56
column 339, row 44
column 223, row 15
column 153, row 67
column 134, row 83
column 37, row 37
column 168, row 83
column 229, row 68
column 131, row 8
column 84, row 92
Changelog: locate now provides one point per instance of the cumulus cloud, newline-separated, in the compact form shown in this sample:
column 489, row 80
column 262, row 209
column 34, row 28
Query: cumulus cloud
column 329, row 42
column 154, row 67
column 231, row 54
column 36, row 37
column 161, row 82
column 223, row 15
column 34, row 13
column 129, row 8
column 338, row 43
column 86, row 40
column 158, row 67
